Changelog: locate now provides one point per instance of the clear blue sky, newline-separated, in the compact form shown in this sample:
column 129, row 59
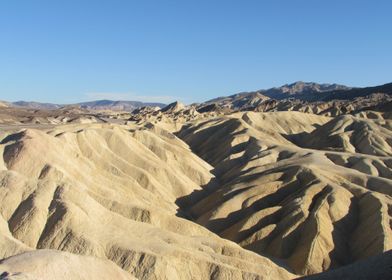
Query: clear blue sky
column 75, row 50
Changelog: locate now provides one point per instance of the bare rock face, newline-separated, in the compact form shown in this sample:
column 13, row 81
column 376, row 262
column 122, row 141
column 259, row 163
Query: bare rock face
column 109, row 191
column 173, row 116
column 310, row 208
column 173, row 107
column 51, row 264
column 354, row 135
column 377, row 267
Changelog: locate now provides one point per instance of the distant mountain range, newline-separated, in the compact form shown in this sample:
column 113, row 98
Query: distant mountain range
column 297, row 90
column 91, row 105
column 302, row 88
column 356, row 92
column 118, row 105
column 35, row 105
column 300, row 91
column 304, row 91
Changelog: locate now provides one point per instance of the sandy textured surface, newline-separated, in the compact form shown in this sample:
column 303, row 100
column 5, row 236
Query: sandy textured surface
column 182, row 194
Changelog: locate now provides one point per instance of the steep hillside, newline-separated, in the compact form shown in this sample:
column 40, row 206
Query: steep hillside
column 175, row 193
column 50, row 264
column 109, row 191
column 309, row 208
column 358, row 92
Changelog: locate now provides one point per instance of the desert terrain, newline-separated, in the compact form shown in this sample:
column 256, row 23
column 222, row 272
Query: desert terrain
column 287, row 183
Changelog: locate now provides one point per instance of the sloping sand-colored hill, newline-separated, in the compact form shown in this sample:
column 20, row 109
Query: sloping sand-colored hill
column 109, row 191
column 182, row 194
column 57, row 265
column 314, row 209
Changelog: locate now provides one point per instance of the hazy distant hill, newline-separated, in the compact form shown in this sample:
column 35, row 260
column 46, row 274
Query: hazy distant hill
column 92, row 105
column 35, row 105
column 118, row 105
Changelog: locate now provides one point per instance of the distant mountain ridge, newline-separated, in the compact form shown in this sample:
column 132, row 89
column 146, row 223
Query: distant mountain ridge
column 92, row 105
column 302, row 88
column 294, row 90
column 299, row 91
column 357, row 92
column 35, row 105
column 118, row 105
column 304, row 91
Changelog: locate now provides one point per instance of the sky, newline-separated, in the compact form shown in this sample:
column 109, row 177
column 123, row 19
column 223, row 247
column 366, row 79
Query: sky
column 165, row 50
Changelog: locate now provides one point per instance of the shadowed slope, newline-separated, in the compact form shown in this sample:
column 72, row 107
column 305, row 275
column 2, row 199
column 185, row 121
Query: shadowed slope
column 378, row 267
column 109, row 191
column 353, row 135
column 286, row 202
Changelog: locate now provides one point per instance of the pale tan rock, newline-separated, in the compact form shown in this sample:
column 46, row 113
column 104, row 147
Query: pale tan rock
column 253, row 196
column 57, row 265
column 312, row 209
column 110, row 192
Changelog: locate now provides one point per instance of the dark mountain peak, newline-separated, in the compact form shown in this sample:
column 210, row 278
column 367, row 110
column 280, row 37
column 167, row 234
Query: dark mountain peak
column 301, row 87
column 296, row 92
